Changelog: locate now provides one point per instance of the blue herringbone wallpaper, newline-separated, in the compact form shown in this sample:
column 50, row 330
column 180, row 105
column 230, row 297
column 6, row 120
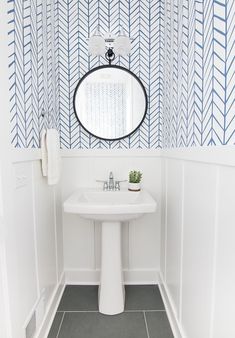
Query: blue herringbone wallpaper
column 77, row 20
column 183, row 51
column 49, row 55
column 32, row 65
column 199, row 73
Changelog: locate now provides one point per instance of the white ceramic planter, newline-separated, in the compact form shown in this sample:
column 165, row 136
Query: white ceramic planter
column 134, row 186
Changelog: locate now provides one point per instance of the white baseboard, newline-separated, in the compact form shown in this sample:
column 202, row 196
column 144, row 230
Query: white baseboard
column 81, row 277
column 92, row 277
column 141, row 277
column 175, row 324
column 52, row 308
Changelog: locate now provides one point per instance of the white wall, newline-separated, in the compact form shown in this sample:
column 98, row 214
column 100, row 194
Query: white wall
column 31, row 253
column 197, row 265
column 34, row 244
column 4, row 175
column 141, row 238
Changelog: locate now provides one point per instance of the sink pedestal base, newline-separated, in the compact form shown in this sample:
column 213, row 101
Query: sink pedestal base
column 111, row 289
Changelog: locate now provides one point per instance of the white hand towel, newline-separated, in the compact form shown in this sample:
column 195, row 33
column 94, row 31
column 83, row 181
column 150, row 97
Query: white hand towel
column 53, row 154
column 44, row 153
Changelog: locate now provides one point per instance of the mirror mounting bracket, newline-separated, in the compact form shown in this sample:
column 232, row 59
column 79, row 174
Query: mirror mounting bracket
column 109, row 55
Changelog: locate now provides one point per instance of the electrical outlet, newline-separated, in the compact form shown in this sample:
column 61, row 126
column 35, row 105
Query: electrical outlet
column 21, row 181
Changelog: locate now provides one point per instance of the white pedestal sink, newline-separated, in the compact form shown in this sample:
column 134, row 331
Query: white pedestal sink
column 111, row 208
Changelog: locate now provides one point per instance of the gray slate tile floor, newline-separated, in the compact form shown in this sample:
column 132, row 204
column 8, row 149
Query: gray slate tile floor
column 78, row 316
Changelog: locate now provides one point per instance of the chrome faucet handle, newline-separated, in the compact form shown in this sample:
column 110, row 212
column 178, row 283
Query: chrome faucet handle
column 117, row 184
column 105, row 184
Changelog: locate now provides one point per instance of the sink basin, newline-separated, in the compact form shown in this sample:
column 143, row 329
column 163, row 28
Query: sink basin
column 111, row 208
column 110, row 205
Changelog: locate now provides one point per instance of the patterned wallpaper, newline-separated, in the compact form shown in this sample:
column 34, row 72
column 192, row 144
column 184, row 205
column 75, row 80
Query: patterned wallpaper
column 49, row 56
column 183, row 51
column 77, row 20
column 32, row 65
column 199, row 73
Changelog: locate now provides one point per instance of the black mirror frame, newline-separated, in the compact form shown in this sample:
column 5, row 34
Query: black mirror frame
column 126, row 70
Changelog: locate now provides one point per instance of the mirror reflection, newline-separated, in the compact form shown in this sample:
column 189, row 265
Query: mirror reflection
column 110, row 102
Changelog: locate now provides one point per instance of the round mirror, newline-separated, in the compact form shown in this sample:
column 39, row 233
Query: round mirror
column 110, row 102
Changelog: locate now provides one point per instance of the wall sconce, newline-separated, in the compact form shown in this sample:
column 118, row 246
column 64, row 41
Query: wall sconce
column 109, row 44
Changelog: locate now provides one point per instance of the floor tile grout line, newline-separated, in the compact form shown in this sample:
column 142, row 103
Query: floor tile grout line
column 79, row 311
column 62, row 319
column 146, row 325
column 145, row 310
column 96, row 311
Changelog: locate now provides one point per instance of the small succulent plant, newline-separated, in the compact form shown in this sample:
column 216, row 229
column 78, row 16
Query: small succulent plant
column 135, row 176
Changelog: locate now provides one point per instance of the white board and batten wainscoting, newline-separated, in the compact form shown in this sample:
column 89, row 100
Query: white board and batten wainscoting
column 197, row 252
column 37, row 268
column 190, row 256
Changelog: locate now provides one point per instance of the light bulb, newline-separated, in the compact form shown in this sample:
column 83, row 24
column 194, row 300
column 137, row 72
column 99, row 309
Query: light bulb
column 122, row 43
column 96, row 44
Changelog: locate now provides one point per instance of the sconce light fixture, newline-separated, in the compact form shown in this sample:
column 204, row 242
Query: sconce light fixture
column 109, row 44
column 96, row 43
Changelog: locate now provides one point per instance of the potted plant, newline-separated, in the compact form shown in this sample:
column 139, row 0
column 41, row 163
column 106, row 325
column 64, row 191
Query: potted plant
column 134, row 180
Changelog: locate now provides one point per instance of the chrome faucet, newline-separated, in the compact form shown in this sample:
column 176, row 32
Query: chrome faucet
column 110, row 185
column 111, row 181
